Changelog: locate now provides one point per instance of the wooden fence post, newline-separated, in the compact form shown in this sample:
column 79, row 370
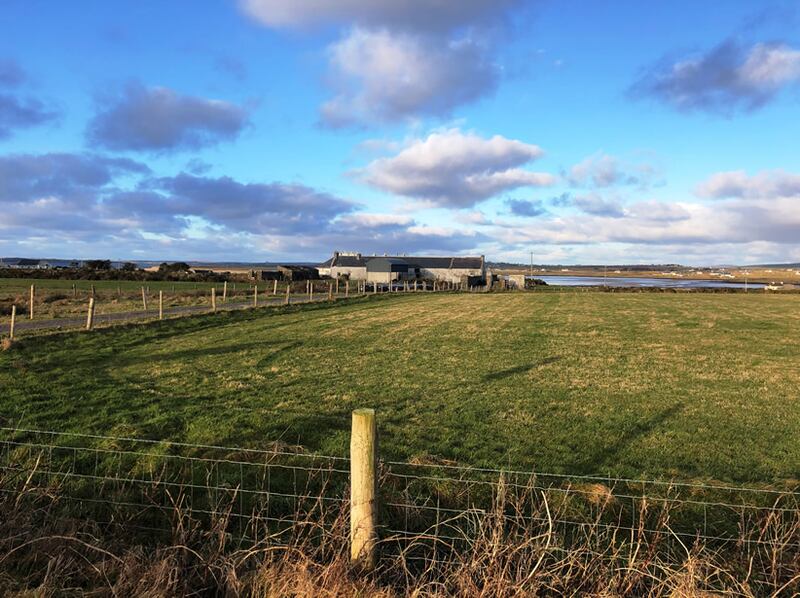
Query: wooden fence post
column 74, row 291
column 214, row 299
column 288, row 290
column 144, row 299
column 310, row 290
column 31, row 305
column 346, row 289
column 275, row 287
column 90, row 314
column 363, row 489
column 161, row 305
column 13, row 321
column 330, row 292
column 224, row 291
column 255, row 295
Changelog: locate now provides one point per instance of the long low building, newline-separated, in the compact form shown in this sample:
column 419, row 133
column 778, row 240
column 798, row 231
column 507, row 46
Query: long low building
column 385, row 269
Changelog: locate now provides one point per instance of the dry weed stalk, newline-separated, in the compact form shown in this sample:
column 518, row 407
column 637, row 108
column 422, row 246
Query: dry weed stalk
column 521, row 546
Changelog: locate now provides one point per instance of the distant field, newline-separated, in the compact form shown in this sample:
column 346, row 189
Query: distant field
column 688, row 385
column 58, row 298
column 23, row 284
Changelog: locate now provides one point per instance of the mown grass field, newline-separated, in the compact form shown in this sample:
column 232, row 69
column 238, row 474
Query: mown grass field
column 701, row 386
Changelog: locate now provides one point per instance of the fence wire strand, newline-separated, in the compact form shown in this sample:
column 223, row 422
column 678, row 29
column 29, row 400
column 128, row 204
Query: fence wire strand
column 422, row 502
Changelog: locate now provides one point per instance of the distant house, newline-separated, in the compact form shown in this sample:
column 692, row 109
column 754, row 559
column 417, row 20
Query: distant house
column 21, row 263
column 356, row 266
column 33, row 264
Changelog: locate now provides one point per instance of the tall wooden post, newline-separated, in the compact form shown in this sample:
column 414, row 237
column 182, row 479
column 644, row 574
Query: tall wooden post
column 92, row 295
column 144, row 299
column 214, row 299
column 275, row 287
column 74, row 291
column 288, row 290
column 33, row 292
column 13, row 321
column 363, row 489
column 90, row 314
column 330, row 292
column 161, row 305
column 310, row 290
column 255, row 295
column 224, row 291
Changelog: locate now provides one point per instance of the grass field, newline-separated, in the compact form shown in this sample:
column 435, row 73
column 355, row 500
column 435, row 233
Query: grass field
column 687, row 385
column 58, row 299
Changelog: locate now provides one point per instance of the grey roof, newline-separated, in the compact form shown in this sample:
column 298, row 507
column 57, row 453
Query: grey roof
column 347, row 261
column 296, row 268
column 387, row 264
column 354, row 261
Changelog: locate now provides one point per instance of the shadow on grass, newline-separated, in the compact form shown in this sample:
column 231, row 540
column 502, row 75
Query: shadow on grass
column 519, row 369
column 607, row 457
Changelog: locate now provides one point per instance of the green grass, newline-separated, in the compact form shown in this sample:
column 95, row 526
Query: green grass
column 24, row 284
column 635, row 384
column 57, row 299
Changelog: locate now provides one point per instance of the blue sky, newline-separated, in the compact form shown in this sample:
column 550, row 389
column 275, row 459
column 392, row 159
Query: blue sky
column 250, row 130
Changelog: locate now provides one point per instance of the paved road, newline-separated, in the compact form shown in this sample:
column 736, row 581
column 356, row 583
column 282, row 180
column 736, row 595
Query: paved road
column 100, row 319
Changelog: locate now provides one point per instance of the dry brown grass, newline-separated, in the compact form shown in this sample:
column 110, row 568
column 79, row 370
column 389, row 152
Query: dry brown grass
column 46, row 552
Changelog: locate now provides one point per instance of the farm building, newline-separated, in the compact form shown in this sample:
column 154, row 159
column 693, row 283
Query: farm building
column 383, row 269
column 286, row 272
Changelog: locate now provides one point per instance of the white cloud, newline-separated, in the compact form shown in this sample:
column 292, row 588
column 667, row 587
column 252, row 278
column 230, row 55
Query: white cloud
column 398, row 59
column 727, row 77
column 595, row 204
column 455, row 169
column 738, row 183
column 658, row 210
column 383, row 76
column 770, row 66
column 603, row 170
column 370, row 220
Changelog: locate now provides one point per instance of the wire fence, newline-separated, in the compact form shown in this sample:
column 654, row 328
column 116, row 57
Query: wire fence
column 154, row 485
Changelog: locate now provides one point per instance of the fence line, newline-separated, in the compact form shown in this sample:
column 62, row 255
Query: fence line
column 422, row 502
column 310, row 295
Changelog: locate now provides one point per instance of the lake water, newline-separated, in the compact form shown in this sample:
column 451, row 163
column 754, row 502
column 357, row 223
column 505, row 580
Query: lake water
column 632, row 281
